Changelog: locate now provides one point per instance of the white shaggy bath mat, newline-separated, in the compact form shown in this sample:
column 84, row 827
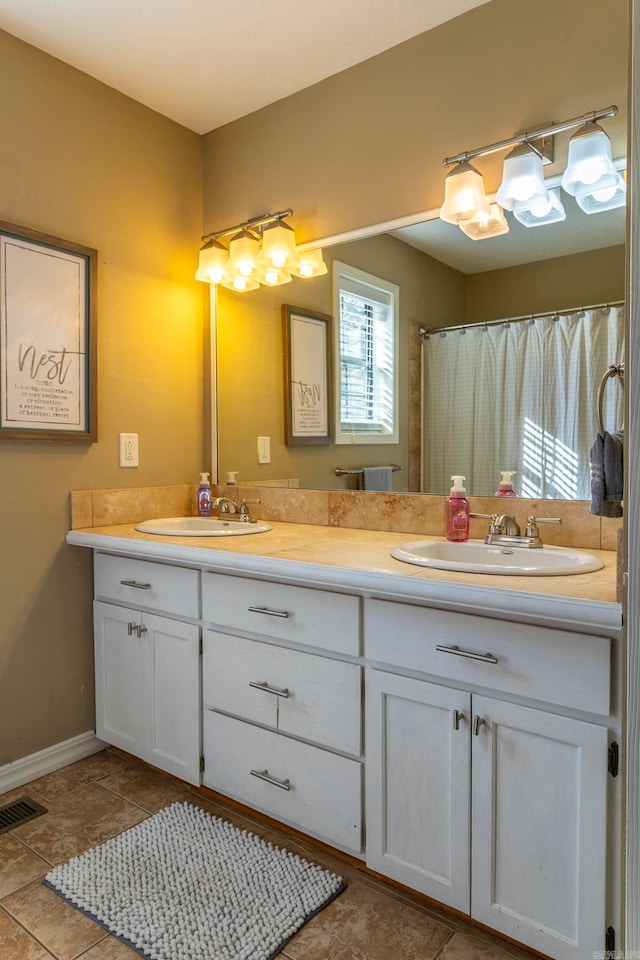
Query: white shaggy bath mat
column 184, row 885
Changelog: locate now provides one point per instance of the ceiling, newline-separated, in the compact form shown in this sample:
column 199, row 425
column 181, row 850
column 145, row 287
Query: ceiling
column 205, row 63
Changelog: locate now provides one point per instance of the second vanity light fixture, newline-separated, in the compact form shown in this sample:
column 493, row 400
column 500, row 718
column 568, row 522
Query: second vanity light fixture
column 591, row 177
column 261, row 251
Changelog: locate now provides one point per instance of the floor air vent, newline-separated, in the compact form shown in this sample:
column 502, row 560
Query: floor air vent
column 19, row 812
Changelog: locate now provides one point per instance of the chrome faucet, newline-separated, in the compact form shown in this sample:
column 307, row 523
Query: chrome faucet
column 504, row 530
column 231, row 511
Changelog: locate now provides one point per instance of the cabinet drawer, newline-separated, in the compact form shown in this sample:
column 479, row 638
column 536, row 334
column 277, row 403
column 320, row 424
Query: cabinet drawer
column 316, row 618
column 142, row 583
column 312, row 697
column 554, row 666
column 322, row 792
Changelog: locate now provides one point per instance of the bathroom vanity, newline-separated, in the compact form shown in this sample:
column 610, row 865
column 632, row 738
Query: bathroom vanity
column 457, row 734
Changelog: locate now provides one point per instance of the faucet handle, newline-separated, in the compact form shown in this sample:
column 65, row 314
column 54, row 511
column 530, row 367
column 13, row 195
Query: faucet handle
column 483, row 516
column 532, row 524
column 244, row 507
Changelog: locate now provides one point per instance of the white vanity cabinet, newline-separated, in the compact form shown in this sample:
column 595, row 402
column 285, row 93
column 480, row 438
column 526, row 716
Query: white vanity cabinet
column 282, row 703
column 495, row 808
column 147, row 663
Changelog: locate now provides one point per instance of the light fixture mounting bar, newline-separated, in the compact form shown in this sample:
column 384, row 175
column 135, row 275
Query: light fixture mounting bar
column 252, row 224
column 530, row 136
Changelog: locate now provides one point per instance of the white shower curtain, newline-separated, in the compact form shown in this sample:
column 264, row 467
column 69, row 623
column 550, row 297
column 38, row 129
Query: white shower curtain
column 522, row 396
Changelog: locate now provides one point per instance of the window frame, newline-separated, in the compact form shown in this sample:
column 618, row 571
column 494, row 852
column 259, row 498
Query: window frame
column 345, row 275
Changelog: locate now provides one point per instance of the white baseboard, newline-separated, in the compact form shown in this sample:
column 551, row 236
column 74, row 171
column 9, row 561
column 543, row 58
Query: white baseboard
column 46, row 761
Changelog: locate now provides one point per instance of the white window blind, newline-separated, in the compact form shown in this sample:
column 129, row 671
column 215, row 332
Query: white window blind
column 366, row 307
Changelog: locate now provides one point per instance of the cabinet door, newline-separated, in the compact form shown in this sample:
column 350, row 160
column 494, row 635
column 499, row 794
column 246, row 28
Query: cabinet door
column 417, row 785
column 539, row 828
column 120, row 677
column 172, row 671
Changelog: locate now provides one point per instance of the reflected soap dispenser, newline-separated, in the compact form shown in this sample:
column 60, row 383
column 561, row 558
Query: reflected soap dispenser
column 204, row 496
column 506, row 484
column 456, row 512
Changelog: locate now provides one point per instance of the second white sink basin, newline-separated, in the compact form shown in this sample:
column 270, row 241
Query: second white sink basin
column 200, row 527
column 474, row 556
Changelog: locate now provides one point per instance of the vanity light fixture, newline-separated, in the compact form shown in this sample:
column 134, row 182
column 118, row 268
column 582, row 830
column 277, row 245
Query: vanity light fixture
column 261, row 251
column 591, row 177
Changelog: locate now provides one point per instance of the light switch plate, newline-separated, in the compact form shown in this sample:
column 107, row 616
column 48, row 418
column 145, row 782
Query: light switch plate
column 264, row 449
column 128, row 449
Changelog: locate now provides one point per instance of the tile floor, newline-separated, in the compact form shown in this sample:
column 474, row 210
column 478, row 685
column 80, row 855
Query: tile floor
column 94, row 799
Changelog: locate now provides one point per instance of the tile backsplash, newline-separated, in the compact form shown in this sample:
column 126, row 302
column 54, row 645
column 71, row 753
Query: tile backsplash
column 419, row 514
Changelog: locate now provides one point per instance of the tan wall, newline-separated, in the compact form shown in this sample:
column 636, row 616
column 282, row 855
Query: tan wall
column 367, row 145
column 251, row 362
column 82, row 162
column 582, row 279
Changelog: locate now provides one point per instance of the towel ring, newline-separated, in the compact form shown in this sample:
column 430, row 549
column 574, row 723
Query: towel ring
column 615, row 371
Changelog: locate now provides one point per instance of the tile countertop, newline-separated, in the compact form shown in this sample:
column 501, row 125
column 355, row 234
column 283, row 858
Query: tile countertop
column 360, row 561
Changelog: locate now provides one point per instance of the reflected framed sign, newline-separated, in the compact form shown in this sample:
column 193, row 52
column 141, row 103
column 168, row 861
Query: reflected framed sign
column 47, row 337
column 308, row 416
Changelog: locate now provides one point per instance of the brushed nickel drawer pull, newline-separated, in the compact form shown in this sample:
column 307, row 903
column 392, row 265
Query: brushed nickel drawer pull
column 265, row 775
column 269, row 613
column 457, row 652
column 276, row 691
column 132, row 628
column 134, row 583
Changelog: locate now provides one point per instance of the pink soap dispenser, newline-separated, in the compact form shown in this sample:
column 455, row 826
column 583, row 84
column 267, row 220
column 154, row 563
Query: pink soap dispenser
column 506, row 484
column 456, row 512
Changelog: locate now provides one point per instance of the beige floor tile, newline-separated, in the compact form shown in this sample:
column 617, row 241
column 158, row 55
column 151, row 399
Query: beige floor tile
column 18, row 792
column 78, row 820
column 362, row 924
column 110, row 949
column 470, row 948
column 18, row 865
column 75, row 775
column 61, row 928
column 144, row 787
column 16, row 944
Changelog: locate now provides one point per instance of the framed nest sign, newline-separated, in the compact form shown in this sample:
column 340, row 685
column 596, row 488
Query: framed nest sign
column 307, row 342
column 47, row 337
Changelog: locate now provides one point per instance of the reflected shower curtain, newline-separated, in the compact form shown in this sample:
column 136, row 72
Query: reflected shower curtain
column 520, row 395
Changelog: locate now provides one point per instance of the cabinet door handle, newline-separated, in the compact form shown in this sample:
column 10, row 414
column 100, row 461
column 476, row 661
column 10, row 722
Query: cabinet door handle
column 276, row 691
column 266, row 776
column 457, row 717
column 132, row 628
column 269, row 613
column 477, row 723
column 457, row 652
column 134, row 583
column 141, row 630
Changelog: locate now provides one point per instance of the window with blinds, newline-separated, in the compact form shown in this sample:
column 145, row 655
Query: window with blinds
column 366, row 308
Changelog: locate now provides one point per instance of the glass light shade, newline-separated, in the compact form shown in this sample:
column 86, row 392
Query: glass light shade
column 239, row 283
column 464, row 195
column 212, row 262
column 543, row 208
column 243, row 253
column 273, row 276
column 607, row 194
column 522, row 177
column 589, row 160
column 310, row 264
column 278, row 246
column 486, row 225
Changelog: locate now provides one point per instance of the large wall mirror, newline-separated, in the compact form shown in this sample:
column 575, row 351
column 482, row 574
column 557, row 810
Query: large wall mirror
column 572, row 271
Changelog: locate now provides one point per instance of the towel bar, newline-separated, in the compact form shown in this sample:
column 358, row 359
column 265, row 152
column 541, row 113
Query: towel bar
column 357, row 470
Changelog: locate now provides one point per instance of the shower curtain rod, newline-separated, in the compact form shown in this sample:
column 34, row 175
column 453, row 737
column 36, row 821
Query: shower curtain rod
column 426, row 332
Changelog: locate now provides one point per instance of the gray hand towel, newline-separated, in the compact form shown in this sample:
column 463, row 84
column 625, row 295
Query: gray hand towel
column 607, row 477
column 376, row 478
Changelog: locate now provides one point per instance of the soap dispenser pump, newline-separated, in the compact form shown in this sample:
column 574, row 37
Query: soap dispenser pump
column 506, row 484
column 456, row 512
column 204, row 496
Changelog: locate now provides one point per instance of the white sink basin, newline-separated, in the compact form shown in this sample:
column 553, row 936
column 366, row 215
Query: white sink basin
column 478, row 557
column 200, row 527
